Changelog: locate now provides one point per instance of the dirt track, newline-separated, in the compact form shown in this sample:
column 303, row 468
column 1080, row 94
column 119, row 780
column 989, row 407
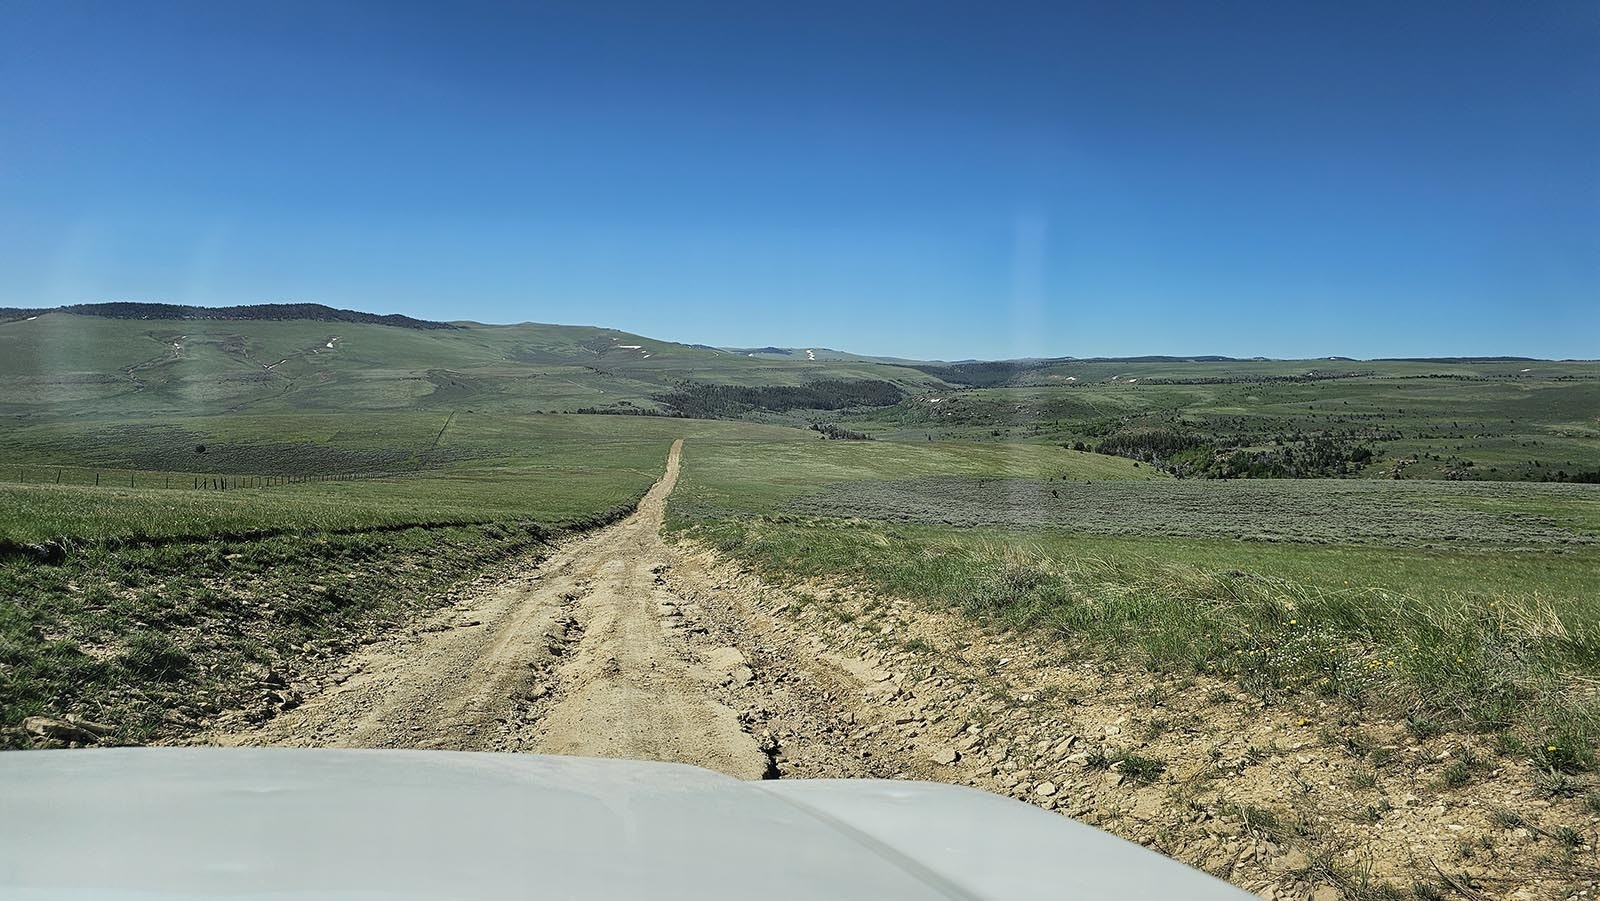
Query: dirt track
column 585, row 653
column 619, row 644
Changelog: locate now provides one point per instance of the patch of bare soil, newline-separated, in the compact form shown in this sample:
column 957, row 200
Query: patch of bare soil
column 1294, row 801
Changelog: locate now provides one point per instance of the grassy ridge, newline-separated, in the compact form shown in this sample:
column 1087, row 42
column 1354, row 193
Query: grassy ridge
column 122, row 368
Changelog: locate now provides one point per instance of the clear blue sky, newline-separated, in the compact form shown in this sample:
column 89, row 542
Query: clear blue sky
column 922, row 179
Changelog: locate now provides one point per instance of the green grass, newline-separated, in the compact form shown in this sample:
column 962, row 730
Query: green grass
column 1487, row 420
column 751, row 472
column 1343, row 511
column 153, row 639
column 545, row 469
column 125, row 369
column 1472, row 606
column 154, row 600
column 1484, row 632
column 1490, row 421
column 1479, row 657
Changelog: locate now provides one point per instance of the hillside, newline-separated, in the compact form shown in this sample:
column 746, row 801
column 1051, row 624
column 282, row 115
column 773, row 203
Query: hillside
column 1488, row 418
column 123, row 363
column 271, row 311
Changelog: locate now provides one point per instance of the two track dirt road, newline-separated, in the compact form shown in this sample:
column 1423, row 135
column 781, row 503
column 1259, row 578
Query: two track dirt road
column 586, row 653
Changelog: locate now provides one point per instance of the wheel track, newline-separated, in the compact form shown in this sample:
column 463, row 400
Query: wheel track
column 582, row 654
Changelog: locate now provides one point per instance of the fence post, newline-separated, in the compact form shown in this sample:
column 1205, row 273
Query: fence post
column 58, row 476
column 97, row 478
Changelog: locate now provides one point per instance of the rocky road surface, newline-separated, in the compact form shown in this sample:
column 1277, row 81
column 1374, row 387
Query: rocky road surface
column 585, row 653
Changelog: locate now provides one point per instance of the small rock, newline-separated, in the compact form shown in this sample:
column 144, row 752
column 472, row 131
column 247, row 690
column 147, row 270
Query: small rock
column 945, row 756
column 58, row 730
column 1045, row 789
column 1148, row 806
column 101, row 729
column 1326, row 893
column 1293, row 862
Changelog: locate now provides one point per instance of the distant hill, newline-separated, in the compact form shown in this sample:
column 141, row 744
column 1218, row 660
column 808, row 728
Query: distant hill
column 814, row 355
column 161, row 360
column 1461, row 360
column 314, row 312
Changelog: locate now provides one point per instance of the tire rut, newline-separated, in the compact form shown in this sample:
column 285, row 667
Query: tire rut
column 587, row 653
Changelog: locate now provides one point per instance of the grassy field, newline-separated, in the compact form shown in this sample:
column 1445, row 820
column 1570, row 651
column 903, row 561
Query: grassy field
column 1322, row 511
column 1485, row 420
column 550, row 469
column 380, row 464
column 152, row 608
column 1447, row 604
column 1491, row 422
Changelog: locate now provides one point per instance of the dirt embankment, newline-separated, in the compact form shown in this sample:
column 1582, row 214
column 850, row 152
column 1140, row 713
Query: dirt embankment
column 622, row 645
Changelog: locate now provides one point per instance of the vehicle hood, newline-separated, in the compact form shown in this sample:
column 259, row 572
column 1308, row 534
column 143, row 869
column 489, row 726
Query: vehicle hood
column 321, row 824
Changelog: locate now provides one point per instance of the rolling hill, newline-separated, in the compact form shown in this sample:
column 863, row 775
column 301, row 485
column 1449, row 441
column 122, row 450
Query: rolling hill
column 89, row 364
column 1494, row 418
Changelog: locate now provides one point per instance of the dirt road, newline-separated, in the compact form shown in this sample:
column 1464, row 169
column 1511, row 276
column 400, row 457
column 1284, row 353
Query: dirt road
column 586, row 653
column 619, row 644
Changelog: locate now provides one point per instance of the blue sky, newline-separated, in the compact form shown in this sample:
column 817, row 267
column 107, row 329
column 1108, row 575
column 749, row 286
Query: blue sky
column 922, row 179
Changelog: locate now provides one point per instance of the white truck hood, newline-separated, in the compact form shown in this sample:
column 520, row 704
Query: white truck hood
column 315, row 824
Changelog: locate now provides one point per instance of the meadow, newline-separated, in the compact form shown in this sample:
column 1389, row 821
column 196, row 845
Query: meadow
column 151, row 608
column 1389, row 513
column 371, row 467
column 385, row 471
column 1522, row 420
column 1487, row 422
column 1443, row 604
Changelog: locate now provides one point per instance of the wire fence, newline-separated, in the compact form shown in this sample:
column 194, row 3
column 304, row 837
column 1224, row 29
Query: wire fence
column 98, row 477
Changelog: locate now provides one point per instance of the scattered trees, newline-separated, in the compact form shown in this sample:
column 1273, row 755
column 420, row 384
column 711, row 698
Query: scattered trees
column 705, row 401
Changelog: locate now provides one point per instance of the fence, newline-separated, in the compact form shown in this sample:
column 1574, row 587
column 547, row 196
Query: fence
column 46, row 474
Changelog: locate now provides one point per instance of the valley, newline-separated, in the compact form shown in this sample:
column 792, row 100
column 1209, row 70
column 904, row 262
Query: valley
column 1309, row 625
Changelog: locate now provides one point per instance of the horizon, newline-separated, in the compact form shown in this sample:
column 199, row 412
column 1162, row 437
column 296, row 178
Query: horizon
column 930, row 183
column 1089, row 357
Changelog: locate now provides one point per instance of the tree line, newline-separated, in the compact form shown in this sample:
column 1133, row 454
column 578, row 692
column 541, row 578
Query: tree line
column 706, row 401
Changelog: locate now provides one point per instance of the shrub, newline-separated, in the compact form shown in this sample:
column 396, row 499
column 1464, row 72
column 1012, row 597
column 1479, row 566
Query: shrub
column 152, row 655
